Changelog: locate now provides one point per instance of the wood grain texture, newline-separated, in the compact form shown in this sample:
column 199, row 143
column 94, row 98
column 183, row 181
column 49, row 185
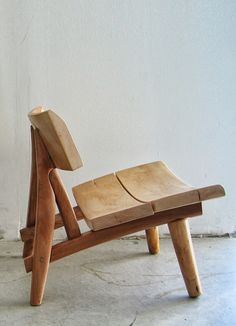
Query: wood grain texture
column 45, row 220
column 28, row 232
column 32, row 203
column 57, row 139
column 115, row 205
column 91, row 238
column 156, row 183
column 105, row 203
column 211, row 192
column 153, row 241
column 181, row 238
column 67, row 213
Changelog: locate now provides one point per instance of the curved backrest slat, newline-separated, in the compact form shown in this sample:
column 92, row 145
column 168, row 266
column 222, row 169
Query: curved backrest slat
column 56, row 138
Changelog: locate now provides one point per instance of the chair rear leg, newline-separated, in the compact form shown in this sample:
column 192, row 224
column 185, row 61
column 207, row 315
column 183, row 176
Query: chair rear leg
column 32, row 205
column 181, row 238
column 152, row 236
column 45, row 221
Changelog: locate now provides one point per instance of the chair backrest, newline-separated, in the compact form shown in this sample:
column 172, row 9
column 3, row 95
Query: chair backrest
column 56, row 138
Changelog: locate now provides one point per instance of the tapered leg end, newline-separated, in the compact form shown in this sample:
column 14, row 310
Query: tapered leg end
column 181, row 238
column 153, row 242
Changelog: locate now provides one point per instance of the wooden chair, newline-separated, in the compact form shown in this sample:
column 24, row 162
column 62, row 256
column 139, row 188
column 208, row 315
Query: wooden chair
column 115, row 205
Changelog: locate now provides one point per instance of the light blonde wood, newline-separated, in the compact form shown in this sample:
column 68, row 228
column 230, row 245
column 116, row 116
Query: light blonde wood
column 211, row 192
column 153, row 242
column 57, row 139
column 67, row 213
column 28, row 232
column 91, row 238
column 155, row 183
column 32, row 205
column 45, row 220
column 105, row 203
column 181, row 238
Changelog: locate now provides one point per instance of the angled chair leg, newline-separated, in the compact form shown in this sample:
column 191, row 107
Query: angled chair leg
column 45, row 220
column 32, row 205
column 42, row 248
column 152, row 236
column 66, row 210
column 181, row 238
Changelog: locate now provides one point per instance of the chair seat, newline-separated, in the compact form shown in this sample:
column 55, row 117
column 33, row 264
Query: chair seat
column 135, row 193
column 105, row 203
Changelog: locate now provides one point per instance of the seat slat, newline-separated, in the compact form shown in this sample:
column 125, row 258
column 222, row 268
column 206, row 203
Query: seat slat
column 211, row 192
column 156, row 183
column 105, row 203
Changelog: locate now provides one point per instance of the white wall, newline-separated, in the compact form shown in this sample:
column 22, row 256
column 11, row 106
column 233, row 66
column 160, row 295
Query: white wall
column 136, row 81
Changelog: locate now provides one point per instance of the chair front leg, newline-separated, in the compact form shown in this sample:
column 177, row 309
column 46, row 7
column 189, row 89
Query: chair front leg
column 43, row 241
column 152, row 236
column 181, row 238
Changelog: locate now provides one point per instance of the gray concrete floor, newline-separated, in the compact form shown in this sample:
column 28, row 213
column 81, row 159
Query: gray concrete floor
column 118, row 283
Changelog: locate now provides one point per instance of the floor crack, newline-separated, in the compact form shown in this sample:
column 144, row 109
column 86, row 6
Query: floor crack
column 98, row 273
column 95, row 273
column 134, row 320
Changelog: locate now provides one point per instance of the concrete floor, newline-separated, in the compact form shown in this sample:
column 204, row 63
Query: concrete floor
column 118, row 283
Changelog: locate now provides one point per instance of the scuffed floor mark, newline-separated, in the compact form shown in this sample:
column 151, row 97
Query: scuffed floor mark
column 134, row 320
column 102, row 275
column 117, row 279
column 96, row 273
column 163, row 294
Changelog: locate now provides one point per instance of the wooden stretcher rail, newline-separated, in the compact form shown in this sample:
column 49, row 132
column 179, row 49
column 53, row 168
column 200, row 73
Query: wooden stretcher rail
column 28, row 233
column 92, row 238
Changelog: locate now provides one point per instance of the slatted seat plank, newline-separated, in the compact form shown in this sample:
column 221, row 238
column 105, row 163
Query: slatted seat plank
column 156, row 183
column 105, row 203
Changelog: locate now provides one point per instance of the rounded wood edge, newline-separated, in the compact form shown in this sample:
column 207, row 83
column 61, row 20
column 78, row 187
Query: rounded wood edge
column 153, row 243
column 36, row 110
column 211, row 192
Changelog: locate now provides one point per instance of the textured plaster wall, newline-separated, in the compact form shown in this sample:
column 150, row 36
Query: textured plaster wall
column 136, row 81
